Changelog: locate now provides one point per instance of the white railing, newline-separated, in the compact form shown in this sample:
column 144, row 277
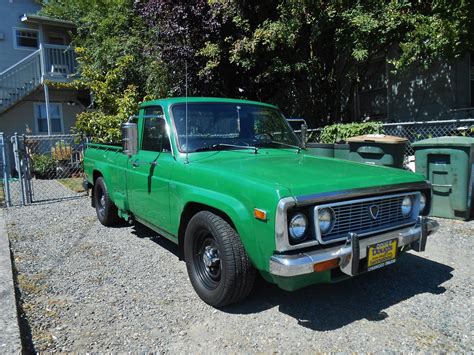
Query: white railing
column 49, row 62
column 20, row 79
column 58, row 60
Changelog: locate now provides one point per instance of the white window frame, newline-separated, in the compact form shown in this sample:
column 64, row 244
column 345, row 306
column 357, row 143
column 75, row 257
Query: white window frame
column 61, row 117
column 15, row 43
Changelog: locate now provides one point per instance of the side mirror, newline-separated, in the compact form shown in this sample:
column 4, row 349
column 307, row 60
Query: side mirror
column 130, row 138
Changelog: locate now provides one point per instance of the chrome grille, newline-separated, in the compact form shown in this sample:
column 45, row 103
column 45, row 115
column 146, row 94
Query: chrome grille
column 355, row 217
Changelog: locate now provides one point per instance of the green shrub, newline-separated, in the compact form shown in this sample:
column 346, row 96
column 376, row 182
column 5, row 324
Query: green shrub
column 43, row 166
column 341, row 132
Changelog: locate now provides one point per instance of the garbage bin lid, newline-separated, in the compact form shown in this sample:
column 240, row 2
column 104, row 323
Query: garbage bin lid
column 445, row 141
column 378, row 138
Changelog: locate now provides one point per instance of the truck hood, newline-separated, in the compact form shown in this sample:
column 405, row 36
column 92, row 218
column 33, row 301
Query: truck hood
column 303, row 174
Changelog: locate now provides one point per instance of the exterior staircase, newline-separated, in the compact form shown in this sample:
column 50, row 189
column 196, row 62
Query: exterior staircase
column 50, row 62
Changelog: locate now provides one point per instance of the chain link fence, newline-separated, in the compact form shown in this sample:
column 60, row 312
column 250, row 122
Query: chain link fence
column 415, row 131
column 54, row 166
column 42, row 168
column 50, row 168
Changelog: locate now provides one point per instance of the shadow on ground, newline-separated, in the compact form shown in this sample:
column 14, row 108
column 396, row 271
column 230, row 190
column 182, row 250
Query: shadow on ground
column 142, row 231
column 331, row 306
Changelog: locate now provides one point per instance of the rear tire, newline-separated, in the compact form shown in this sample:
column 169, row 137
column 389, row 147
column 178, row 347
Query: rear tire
column 107, row 212
column 218, row 266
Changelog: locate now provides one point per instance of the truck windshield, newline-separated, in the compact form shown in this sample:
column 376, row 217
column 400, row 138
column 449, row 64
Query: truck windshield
column 231, row 126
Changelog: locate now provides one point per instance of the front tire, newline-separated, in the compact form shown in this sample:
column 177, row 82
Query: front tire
column 217, row 263
column 107, row 212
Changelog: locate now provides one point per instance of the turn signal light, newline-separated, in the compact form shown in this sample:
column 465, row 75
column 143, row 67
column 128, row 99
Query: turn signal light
column 326, row 265
column 260, row 214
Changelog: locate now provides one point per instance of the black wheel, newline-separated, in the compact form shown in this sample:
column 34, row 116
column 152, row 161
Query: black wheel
column 218, row 266
column 105, row 208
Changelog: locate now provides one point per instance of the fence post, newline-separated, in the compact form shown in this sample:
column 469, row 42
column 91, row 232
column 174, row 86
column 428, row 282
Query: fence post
column 16, row 154
column 6, row 171
column 26, row 173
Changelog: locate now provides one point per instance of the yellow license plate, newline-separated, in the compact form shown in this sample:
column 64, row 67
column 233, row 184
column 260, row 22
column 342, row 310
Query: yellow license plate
column 381, row 254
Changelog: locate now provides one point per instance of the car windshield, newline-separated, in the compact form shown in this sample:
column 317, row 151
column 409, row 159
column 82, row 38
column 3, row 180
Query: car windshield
column 213, row 126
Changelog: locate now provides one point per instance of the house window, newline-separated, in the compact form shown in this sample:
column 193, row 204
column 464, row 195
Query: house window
column 56, row 116
column 26, row 38
column 56, row 38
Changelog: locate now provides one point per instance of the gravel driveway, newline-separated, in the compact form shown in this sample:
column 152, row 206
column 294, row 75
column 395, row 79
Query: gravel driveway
column 86, row 287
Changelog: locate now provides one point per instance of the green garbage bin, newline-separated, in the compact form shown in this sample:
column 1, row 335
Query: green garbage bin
column 341, row 151
column 320, row 149
column 378, row 149
column 447, row 162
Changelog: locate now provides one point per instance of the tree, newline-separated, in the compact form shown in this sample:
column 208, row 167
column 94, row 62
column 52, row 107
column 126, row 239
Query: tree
column 310, row 56
column 111, row 44
column 306, row 56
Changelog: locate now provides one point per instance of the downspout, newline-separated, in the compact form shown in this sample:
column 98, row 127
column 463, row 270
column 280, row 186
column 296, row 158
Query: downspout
column 45, row 86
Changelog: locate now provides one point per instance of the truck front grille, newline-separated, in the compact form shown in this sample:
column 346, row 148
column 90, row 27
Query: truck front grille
column 355, row 216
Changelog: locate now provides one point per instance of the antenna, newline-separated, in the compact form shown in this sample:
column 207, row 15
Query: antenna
column 186, row 114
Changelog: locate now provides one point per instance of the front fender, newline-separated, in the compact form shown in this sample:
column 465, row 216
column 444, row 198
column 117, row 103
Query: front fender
column 256, row 236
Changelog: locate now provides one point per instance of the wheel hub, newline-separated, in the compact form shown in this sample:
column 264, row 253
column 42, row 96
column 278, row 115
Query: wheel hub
column 210, row 257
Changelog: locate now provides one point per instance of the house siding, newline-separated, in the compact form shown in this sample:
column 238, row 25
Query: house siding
column 16, row 119
column 11, row 13
column 18, row 112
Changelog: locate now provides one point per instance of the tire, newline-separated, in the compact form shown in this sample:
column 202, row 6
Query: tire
column 218, row 266
column 107, row 212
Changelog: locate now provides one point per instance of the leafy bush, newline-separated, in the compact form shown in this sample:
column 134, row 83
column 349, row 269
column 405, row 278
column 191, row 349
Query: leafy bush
column 341, row 132
column 43, row 166
column 114, row 104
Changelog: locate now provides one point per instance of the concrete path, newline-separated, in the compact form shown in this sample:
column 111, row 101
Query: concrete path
column 9, row 331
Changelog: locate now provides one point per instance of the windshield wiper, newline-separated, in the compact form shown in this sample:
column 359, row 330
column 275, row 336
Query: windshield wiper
column 220, row 146
column 281, row 144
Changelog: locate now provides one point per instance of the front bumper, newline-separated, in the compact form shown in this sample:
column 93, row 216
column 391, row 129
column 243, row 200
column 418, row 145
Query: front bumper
column 352, row 251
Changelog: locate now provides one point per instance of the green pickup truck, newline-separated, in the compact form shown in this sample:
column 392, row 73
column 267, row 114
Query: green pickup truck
column 229, row 182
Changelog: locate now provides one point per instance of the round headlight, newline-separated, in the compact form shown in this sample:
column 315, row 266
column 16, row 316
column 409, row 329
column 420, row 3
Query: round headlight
column 422, row 202
column 407, row 206
column 326, row 219
column 298, row 225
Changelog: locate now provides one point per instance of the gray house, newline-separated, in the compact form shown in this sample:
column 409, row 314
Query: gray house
column 35, row 55
column 443, row 92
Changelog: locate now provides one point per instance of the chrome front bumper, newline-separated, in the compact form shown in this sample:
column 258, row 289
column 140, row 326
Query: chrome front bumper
column 352, row 251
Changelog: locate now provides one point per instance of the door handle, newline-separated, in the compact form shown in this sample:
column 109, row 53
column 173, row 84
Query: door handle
column 137, row 163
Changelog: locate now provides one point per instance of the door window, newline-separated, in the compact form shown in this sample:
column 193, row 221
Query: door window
column 155, row 136
column 56, row 38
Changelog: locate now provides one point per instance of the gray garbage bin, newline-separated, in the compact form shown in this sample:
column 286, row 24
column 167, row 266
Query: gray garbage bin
column 320, row 149
column 378, row 149
column 448, row 163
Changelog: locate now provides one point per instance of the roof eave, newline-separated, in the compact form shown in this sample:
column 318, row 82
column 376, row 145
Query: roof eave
column 37, row 19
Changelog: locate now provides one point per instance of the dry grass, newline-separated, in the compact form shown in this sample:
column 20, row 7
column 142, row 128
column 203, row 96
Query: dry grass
column 31, row 284
column 74, row 184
